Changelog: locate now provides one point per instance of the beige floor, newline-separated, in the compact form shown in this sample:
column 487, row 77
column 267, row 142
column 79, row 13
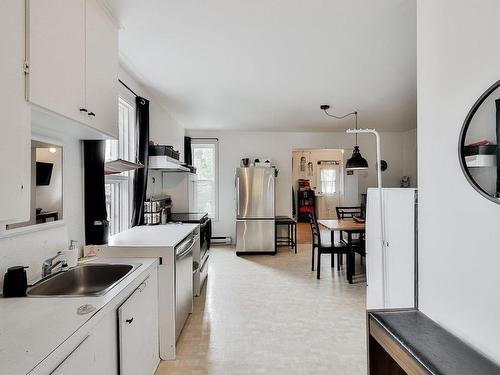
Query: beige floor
column 269, row 315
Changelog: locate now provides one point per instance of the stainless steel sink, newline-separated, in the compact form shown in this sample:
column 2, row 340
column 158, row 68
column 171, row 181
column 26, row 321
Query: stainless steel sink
column 84, row 280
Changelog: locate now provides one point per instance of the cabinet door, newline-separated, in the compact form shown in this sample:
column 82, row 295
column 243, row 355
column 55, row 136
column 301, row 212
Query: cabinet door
column 101, row 69
column 138, row 330
column 81, row 361
column 192, row 201
column 15, row 119
column 56, row 58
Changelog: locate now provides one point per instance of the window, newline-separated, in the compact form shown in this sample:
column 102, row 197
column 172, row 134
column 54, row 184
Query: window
column 118, row 187
column 327, row 177
column 205, row 159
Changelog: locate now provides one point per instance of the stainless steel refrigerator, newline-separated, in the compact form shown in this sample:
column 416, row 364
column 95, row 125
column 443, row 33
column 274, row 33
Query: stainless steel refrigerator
column 255, row 210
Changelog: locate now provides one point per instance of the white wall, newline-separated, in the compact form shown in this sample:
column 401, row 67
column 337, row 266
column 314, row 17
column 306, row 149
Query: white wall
column 234, row 145
column 163, row 128
column 458, row 59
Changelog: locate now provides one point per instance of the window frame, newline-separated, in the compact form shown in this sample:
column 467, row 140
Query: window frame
column 336, row 169
column 124, row 180
column 215, row 143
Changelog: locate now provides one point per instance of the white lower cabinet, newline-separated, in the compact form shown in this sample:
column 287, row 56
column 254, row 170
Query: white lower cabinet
column 138, row 330
column 125, row 341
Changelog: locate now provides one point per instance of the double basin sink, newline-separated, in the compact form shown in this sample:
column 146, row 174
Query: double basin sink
column 85, row 280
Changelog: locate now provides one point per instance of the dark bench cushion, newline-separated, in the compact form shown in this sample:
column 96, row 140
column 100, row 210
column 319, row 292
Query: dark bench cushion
column 440, row 352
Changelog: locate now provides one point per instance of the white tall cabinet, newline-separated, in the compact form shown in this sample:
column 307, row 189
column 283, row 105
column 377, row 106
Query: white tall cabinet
column 391, row 278
column 182, row 189
column 15, row 123
column 72, row 54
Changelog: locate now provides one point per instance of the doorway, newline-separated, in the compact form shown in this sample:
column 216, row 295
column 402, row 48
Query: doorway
column 317, row 185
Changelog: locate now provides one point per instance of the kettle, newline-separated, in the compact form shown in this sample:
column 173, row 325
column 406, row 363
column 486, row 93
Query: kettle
column 15, row 282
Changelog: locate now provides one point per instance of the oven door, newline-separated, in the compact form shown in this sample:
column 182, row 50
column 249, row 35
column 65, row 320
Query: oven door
column 205, row 234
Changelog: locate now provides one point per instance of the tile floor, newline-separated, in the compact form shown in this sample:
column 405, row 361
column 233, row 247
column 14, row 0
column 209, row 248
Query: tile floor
column 269, row 315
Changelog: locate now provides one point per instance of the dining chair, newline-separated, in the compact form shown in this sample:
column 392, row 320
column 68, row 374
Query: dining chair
column 323, row 245
column 348, row 212
column 358, row 242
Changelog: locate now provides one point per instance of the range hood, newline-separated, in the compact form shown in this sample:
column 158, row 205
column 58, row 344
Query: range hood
column 166, row 164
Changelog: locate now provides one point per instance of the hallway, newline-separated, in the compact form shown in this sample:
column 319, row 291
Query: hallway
column 269, row 315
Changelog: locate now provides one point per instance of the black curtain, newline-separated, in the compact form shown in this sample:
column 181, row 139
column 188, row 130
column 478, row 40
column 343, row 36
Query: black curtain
column 96, row 225
column 141, row 175
column 188, row 154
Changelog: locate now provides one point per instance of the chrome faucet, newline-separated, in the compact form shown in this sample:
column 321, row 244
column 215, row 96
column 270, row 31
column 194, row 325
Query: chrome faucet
column 48, row 266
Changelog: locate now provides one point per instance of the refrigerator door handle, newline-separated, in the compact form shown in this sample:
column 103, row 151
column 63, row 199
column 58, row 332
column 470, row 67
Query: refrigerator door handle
column 237, row 188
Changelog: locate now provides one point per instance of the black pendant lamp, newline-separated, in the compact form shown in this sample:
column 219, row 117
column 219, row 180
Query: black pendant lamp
column 356, row 161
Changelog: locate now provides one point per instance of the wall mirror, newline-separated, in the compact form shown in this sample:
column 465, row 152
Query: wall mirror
column 478, row 146
column 46, row 185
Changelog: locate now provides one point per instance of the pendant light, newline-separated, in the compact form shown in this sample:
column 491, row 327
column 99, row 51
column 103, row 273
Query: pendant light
column 356, row 161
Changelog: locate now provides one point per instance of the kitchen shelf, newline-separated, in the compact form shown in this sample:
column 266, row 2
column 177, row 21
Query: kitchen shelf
column 481, row 161
column 166, row 164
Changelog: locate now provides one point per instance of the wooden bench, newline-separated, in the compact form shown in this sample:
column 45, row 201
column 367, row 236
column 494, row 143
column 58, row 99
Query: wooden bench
column 407, row 342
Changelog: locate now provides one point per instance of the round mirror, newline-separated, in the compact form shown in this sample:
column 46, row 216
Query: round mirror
column 478, row 151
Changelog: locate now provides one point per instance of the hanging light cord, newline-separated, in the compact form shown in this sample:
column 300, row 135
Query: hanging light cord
column 355, row 113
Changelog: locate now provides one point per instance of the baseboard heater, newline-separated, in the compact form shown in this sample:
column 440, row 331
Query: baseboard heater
column 222, row 240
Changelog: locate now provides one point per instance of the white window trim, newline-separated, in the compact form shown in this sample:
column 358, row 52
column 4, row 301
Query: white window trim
column 215, row 142
column 125, row 179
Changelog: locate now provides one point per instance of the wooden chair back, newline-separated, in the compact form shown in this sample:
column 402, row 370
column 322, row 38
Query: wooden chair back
column 349, row 212
column 316, row 238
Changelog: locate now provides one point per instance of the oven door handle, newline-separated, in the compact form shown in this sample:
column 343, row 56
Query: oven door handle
column 187, row 250
column 205, row 262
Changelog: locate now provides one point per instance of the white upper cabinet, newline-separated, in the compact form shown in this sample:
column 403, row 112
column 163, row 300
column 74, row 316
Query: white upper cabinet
column 56, row 56
column 73, row 61
column 101, row 69
column 15, row 127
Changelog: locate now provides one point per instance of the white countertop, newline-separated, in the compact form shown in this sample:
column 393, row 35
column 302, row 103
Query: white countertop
column 167, row 235
column 33, row 327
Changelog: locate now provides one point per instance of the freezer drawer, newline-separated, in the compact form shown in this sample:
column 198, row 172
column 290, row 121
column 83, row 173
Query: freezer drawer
column 255, row 236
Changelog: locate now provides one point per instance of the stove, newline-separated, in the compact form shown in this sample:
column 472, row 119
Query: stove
column 200, row 258
column 190, row 217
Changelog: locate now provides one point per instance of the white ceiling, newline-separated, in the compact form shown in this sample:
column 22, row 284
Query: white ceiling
column 269, row 64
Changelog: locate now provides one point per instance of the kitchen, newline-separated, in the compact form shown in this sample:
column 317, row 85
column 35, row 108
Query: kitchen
column 151, row 150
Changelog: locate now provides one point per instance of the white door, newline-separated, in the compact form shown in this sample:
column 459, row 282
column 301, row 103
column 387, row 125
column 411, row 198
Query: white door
column 391, row 285
column 101, row 67
column 192, row 201
column 15, row 145
column 328, row 191
column 56, row 49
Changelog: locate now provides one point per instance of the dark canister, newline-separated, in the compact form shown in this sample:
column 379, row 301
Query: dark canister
column 15, row 282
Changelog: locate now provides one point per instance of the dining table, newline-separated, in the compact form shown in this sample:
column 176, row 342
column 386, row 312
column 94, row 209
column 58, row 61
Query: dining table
column 350, row 227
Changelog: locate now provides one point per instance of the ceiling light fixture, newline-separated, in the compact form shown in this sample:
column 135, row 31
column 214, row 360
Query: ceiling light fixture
column 356, row 161
column 52, row 150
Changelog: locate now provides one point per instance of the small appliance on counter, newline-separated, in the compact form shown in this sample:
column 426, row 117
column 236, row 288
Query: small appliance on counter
column 157, row 210
column 15, row 282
